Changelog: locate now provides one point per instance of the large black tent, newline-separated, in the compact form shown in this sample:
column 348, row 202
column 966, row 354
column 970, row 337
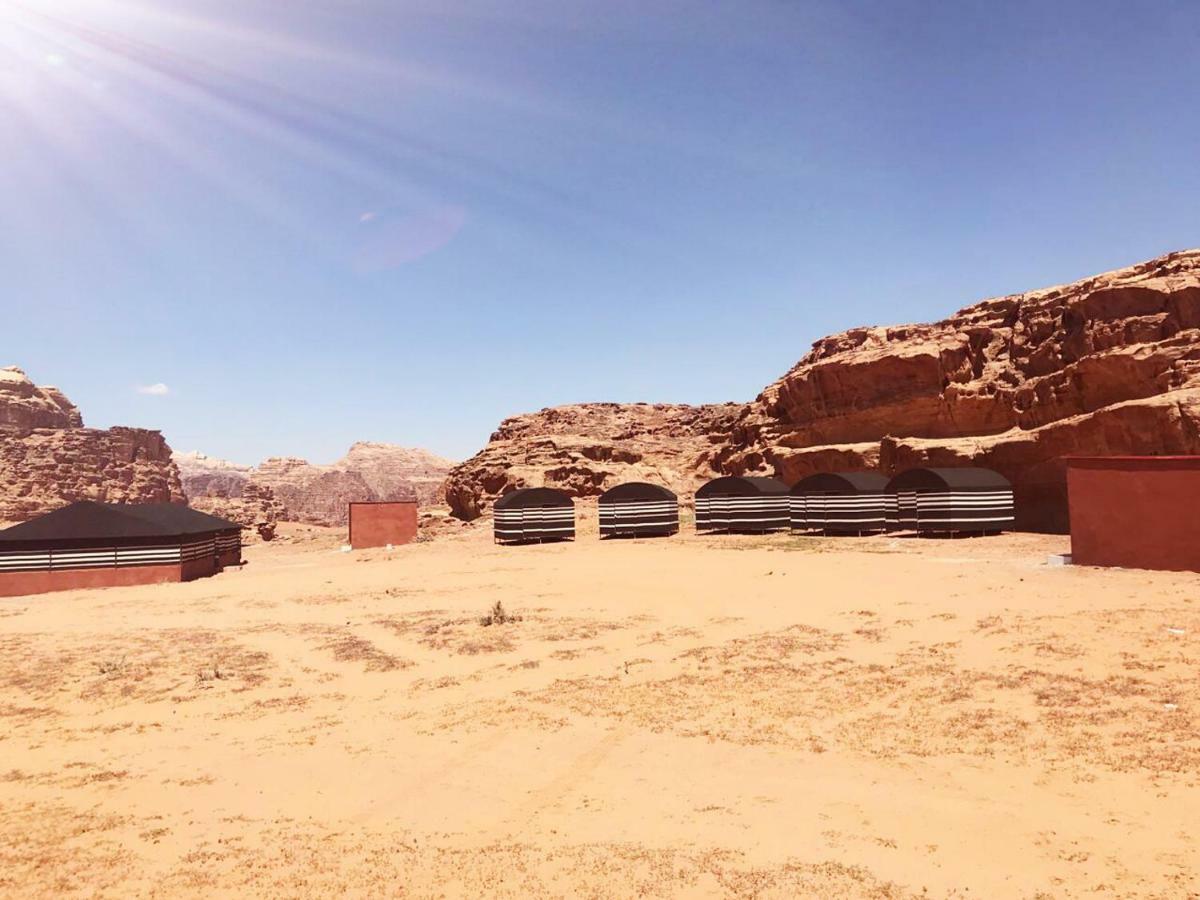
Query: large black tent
column 116, row 536
column 961, row 499
column 842, row 502
column 638, row 509
column 750, row 503
column 527, row 515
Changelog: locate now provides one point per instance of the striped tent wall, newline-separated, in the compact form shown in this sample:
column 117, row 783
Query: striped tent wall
column 965, row 510
column 101, row 557
column 840, row 512
column 841, row 502
column 533, row 515
column 743, row 504
column 966, row 499
column 638, row 509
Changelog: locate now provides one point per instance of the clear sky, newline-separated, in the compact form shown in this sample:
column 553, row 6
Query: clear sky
column 276, row 228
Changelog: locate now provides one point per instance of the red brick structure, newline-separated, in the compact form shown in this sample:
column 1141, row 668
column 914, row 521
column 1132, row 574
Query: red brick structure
column 1135, row 511
column 92, row 545
column 379, row 524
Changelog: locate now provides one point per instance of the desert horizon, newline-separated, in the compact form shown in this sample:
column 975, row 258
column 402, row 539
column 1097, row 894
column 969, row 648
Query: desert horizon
column 538, row 448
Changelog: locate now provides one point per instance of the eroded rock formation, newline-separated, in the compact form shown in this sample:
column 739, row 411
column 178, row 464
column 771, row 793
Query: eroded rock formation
column 254, row 508
column 207, row 476
column 587, row 448
column 48, row 459
column 320, row 495
column 1107, row 365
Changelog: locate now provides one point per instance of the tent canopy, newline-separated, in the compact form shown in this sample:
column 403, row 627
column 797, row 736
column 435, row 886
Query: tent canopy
column 89, row 520
column 842, row 483
column 636, row 490
column 744, row 486
column 964, row 478
column 525, row 498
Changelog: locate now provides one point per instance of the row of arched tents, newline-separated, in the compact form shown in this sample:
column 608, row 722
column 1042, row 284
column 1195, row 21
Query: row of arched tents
column 954, row 500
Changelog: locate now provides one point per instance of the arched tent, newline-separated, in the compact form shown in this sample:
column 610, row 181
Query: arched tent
column 952, row 499
column 533, row 514
column 842, row 502
column 742, row 504
column 638, row 508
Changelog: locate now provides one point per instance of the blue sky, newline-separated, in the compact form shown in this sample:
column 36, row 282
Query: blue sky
column 316, row 223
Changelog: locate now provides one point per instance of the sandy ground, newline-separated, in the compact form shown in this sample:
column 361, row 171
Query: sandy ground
column 769, row 717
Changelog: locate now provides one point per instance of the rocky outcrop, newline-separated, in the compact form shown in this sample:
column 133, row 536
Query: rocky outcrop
column 47, row 459
column 25, row 406
column 207, row 476
column 587, row 448
column 392, row 472
column 321, row 495
column 254, row 508
column 1107, row 365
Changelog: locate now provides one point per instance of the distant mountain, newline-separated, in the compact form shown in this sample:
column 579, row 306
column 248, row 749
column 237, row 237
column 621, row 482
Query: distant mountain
column 321, row 494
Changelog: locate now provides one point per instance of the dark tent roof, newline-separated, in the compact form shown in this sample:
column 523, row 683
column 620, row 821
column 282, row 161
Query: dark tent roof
column 747, row 486
column 636, row 490
column 967, row 478
column 523, row 498
column 841, row 483
column 88, row 520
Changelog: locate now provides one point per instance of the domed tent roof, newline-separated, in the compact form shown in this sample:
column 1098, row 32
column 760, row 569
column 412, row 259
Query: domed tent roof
column 524, row 498
column 841, row 483
column 742, row 486
column 636, row 490
column 961, row 478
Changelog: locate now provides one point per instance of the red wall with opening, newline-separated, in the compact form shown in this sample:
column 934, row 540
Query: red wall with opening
column 1140, row 512
column 379, row 524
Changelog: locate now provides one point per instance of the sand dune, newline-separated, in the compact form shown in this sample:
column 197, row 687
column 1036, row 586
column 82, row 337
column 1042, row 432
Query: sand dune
column 765, row 717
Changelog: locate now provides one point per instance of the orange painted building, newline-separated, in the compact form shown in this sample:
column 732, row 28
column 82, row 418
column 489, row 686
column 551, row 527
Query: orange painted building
column 1135, row 511
column 378, row 524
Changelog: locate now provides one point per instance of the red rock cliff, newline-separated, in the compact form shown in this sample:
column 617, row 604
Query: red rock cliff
column 1110, row 364
column 587, row 448
column 47, row 459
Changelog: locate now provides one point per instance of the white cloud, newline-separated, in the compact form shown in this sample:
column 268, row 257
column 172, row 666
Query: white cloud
column 154, row 390
column 368, row 217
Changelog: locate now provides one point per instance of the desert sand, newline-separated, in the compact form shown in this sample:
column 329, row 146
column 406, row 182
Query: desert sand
column 698, row 716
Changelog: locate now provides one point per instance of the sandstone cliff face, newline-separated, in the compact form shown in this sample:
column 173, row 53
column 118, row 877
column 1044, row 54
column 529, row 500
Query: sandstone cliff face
column 207, row 476
column 1107, row 365
column 254, row 508
column 320, row 495
column 24, row 405
column 587, row 448
column 392, row 472
column 47, row 459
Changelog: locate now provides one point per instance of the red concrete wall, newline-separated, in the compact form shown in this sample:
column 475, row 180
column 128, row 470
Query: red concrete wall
column 1136, row 512
column 378, row 524
column 14, row 584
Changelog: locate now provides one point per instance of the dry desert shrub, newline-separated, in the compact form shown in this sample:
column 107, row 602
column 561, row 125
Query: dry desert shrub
column 498, row 615
column 351, row 648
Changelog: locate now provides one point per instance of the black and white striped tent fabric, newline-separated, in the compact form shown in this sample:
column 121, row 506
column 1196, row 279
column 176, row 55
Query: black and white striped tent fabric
column 87, row 535
column 742, row 504
column 841, row 502
column 530, row 515
column 966, row 499
column 638, row 509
